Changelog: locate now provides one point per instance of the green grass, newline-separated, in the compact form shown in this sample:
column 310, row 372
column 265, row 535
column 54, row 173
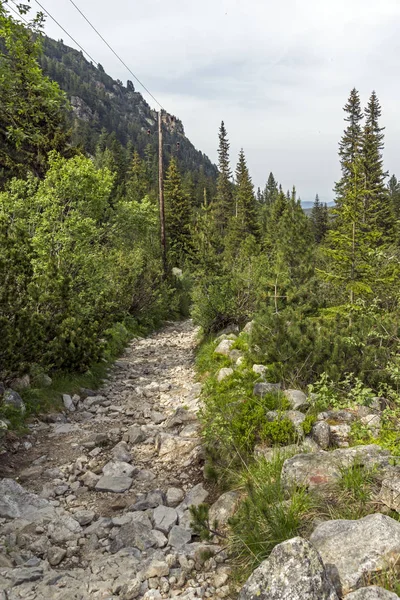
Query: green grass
column 266, row 517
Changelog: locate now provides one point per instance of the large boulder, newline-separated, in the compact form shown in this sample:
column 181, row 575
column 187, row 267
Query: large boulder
column 319, row 468
column 353, row 551
column 372, row 592
column 293, row 571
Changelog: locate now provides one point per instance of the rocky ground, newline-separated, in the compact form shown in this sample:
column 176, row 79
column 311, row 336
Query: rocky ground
column 94, row 503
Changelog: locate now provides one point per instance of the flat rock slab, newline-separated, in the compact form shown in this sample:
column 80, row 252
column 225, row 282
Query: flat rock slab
column 116, row 468
column 353, row 551
column 164, row 518
column 293, row 571
column 16, row 502
column 113, row 484
column 179, row 537
column 372, row 592
column 321, row 468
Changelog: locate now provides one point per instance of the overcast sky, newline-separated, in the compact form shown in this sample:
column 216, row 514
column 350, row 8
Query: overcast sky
column 277, row 72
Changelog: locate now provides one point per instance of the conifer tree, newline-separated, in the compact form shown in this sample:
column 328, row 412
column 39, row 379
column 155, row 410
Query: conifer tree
column 177, row 212
column 246, row 209
column 319, row 220
column 350, row 145
column 223, row 203
column 376, row 203
column 137, row 185
column 271, row 190
column 394, row 196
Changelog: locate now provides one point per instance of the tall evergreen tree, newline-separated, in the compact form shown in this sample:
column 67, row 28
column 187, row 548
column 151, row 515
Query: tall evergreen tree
column 246, row 209
column 376, row 203
column 319, row 220
column 351, row 143
column 223, row 203
column 177, row 213
column 137, row 185
column 271, row 190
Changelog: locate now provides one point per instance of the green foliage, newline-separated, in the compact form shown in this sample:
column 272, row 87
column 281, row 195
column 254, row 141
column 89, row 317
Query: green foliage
column 308, row 423
column 201, row 525
column 353, row 496
column 32, row 106
column 72, row 266
column 177, row 213
column 266, row 518
column 280, row 432
column 234, row 420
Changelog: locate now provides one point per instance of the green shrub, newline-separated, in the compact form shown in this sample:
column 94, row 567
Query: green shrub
column 308, row 423
column 280, row 432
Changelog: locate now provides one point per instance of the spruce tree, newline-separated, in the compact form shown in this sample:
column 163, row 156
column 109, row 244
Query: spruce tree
column 271, row 190
column 223, row 203
column 246, row 209
column 376, row 203
column 177, row 213
column 350, row 145
column 319, row 220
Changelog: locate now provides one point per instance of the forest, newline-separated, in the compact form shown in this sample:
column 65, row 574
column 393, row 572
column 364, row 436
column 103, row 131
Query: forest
column 316, row 295
column 80, row 244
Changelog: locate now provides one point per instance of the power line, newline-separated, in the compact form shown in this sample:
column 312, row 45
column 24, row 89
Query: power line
column 65, row 31
column 17, row 13
column 113, row 51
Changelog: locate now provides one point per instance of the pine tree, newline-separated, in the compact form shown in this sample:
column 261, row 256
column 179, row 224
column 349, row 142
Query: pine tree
column 319, row 220
column 351, row 143
column 223, row 203
column 177, row 213
column 376, row 203
column 246, row 209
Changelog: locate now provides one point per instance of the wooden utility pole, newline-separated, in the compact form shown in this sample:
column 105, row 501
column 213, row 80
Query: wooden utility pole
column 161, row 194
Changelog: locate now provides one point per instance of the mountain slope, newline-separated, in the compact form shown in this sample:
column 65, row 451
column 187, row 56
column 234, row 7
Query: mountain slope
column 101, row 104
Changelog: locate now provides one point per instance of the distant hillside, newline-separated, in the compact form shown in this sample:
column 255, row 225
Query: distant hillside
column 101, row 104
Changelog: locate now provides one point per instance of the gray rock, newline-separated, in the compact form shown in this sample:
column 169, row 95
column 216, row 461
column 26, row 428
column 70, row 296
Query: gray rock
column 224, row 373
column 121, row 452
column 224, row 508
column 16, row 502
column 224, row 347
column 321, row 433
column 262, row 389
column 197, row 495
column 135, row 435
column 90, row 480
column 390, row 492
column 64, row 529
column 248, row 328
column 170, row 446
column 113, row 484
column 157, row 417
column 24, row 574
column 43, row 380
column 12, row 398
column 319, row 468
column 155, row 568
column 259, row 370
column 293, row 571
column 118, row 469
column 135, row 535
column 354, row 550
column 174, row 496
column 21, row 383
column 340, row 434
column 84, row 517
column 68, row 403
column 373, row 422
column 55, row 555
column 178, row 537
column 131, row 590
column 297, row 399
column 372, row 592
column 165, row 518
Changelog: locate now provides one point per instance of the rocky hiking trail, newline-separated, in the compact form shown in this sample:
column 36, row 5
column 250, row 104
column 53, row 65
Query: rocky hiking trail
column 95, row 504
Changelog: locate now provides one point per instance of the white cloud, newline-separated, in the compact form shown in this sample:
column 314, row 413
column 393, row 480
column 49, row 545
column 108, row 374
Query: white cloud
column 277, row 73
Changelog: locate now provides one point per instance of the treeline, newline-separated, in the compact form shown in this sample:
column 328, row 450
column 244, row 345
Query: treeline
column 323, row 291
